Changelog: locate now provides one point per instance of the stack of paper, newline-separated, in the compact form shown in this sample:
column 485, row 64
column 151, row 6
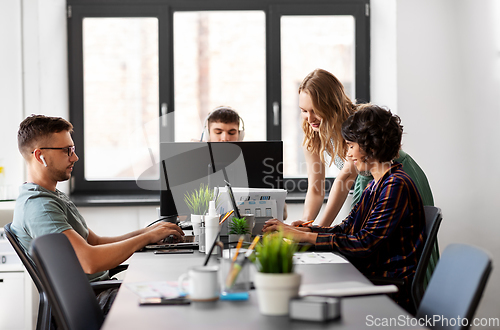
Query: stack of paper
column 344, row 289
column 308, row 258
column 161, row 289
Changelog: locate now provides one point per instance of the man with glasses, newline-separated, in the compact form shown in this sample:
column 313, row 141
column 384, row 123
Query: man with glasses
column 49, row 151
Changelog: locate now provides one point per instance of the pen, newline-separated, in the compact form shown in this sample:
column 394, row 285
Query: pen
column 305, row 223
column 252, row 246
column 225, row 217
column 238, row 266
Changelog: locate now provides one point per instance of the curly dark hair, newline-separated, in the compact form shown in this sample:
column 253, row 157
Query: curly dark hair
column 37, row 127
column 377, row 131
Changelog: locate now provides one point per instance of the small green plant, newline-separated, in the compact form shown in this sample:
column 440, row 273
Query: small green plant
column 198, row 200
column 239, row 226
column 274, row 254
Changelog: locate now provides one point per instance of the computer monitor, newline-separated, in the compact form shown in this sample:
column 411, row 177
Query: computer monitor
column 256, row 164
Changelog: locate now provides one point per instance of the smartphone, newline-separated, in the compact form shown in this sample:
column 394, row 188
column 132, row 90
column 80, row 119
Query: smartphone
column 174, row 251
column 164, row 301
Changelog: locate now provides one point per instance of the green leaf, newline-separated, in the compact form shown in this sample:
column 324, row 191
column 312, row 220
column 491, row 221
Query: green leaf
column 239, row 226
column 274, row 254
column 198, row 200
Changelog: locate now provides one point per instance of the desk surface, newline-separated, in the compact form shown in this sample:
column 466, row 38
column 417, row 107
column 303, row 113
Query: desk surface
column 357, row 312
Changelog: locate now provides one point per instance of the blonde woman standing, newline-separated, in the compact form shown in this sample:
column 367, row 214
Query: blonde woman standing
column 324, row 107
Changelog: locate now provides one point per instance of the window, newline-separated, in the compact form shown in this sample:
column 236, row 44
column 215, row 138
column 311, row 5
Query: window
column 120, row 93
column 145, row 73
column 219, row 60
column 332, row 49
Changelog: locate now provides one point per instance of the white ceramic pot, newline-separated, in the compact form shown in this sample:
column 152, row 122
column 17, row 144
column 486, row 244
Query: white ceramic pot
column 274, row 291
column 196, row 221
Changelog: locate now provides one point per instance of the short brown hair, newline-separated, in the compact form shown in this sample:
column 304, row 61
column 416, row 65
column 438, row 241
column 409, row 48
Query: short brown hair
column 36, row 127
column 224, row 114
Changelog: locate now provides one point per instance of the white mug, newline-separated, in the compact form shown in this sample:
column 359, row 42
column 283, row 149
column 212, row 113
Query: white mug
column 250, row 221
column 203, row 284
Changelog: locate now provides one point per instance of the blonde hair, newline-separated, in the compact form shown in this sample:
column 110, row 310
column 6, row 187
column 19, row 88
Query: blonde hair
column 333, row 106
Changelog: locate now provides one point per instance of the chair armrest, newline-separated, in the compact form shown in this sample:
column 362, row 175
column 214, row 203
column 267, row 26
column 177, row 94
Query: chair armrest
column 100, row 286
column 380, row 280
column 117, row 269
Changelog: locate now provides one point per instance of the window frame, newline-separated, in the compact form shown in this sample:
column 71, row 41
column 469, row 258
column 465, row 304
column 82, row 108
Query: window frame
column 164, row 11
column 78, row 183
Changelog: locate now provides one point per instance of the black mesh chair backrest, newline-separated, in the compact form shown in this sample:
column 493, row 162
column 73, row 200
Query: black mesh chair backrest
column 44, row 316
column 73, row 302
column 26, row 260
column 423, row 272
column 456, row 286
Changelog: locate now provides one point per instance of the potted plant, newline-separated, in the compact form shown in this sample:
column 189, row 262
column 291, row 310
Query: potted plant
column 238, row 227
column 197, row 202
column 275, row 280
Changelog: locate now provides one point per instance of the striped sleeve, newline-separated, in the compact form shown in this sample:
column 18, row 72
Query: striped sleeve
column 378, row 224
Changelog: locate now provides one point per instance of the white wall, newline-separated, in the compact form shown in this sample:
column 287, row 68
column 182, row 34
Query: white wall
column 34, row 77
column 435, row 62
column 383, row 71
column 11, row 92
column 447, row 62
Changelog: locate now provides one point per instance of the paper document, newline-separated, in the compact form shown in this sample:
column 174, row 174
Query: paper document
column 345, row 289
column 161, row 289
column 309, row 258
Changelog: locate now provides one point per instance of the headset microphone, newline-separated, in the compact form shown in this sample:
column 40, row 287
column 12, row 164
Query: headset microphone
column 43, row 160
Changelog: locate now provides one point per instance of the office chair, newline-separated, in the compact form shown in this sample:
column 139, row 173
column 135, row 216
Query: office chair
column 425, row 268
column 73, row 301
column 44, row 313
column 456, row 286
column 426, row 264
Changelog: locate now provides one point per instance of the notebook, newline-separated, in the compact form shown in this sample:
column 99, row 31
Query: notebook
column 345, row 289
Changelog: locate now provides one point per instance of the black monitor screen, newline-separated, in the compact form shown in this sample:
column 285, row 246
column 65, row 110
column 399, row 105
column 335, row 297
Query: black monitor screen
column 243, row 164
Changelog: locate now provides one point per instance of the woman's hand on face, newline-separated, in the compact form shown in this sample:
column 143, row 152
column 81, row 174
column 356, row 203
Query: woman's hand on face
column 349, row 171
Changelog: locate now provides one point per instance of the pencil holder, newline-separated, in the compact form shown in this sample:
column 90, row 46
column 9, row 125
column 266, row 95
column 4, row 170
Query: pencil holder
column 234, row 280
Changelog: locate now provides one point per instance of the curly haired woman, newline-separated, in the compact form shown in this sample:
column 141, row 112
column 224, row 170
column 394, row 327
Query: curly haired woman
column 385, row 232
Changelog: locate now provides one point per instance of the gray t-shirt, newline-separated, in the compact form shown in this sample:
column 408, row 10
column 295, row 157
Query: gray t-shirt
column 39, row 212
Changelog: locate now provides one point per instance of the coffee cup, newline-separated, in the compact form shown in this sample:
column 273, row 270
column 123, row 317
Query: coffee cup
column 201, row 282
column 250, row 218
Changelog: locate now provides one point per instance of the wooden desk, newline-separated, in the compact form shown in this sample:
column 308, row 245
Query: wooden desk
column 146, row 266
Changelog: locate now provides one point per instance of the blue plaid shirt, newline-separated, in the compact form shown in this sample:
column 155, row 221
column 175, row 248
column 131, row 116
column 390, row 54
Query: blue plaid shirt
column 384, row 234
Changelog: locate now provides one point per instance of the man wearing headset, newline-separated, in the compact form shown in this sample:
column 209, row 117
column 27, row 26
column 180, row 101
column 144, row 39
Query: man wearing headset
column 223, row 125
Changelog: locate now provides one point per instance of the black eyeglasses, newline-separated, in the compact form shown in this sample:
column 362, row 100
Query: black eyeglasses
column 69, row 150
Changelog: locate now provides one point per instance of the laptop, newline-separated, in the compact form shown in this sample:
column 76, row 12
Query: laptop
column 187, row 241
